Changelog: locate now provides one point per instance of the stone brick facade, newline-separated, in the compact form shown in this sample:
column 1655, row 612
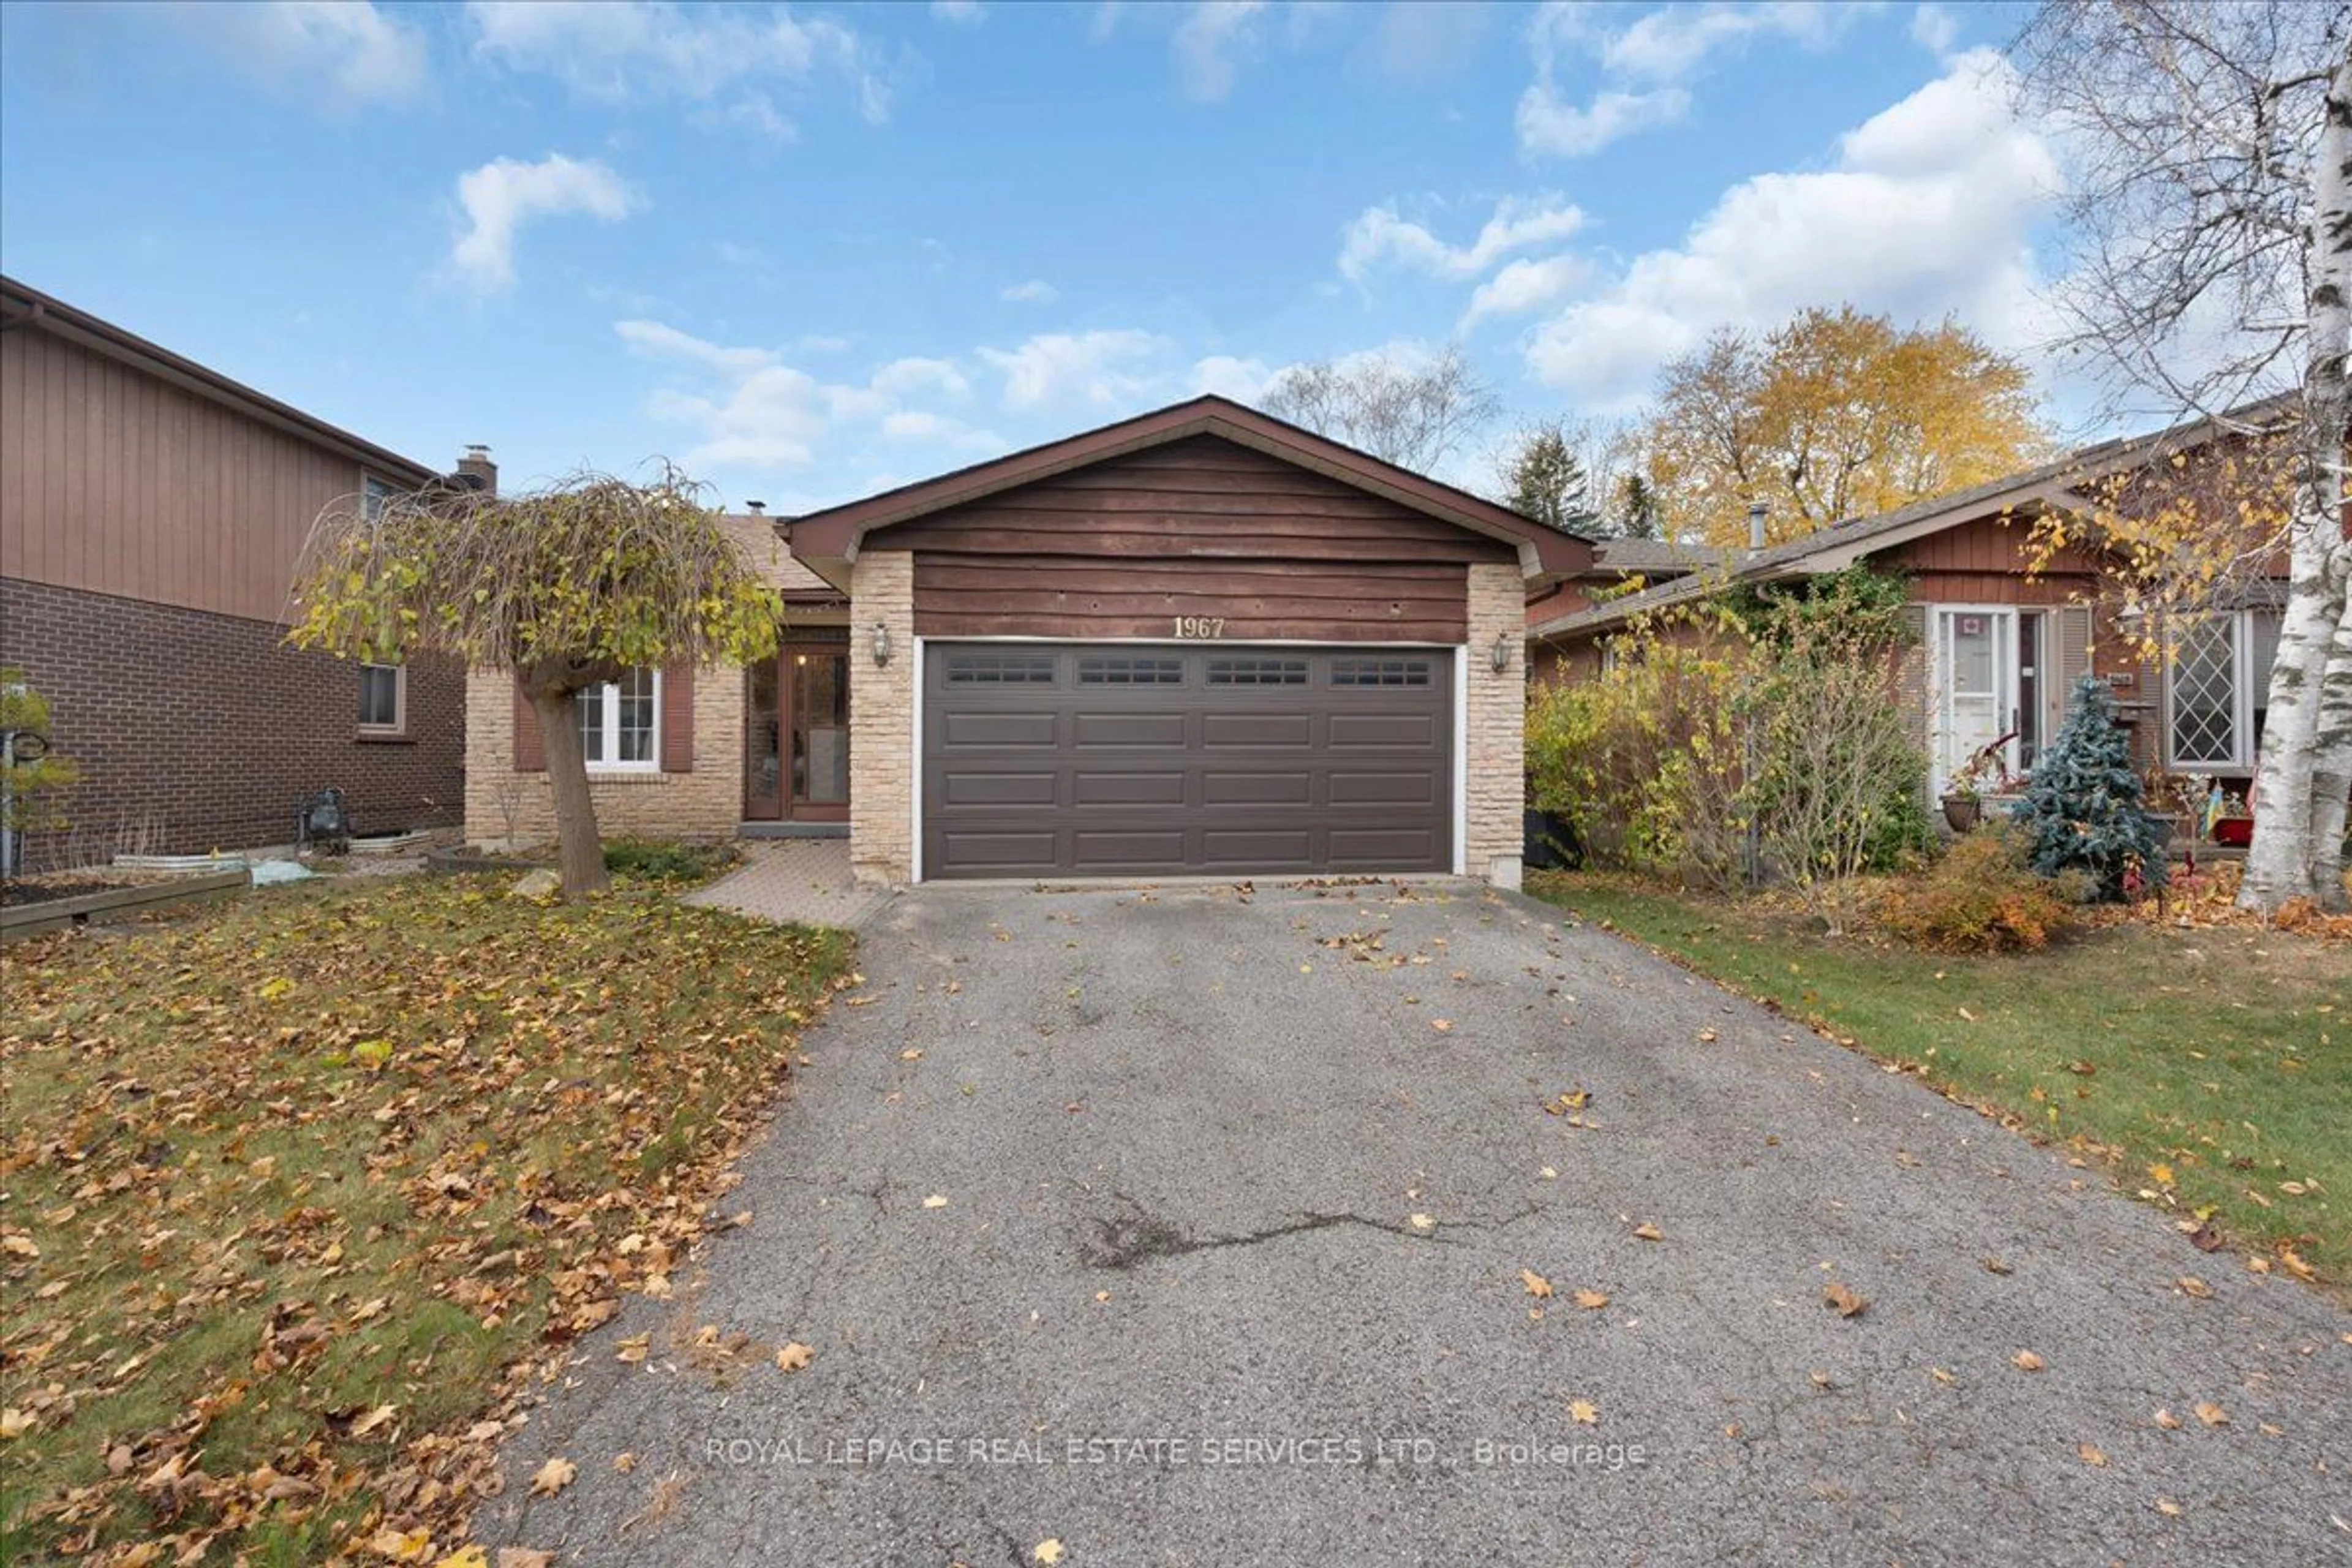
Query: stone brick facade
column 1495, row 726
column 507, row 808
column 195, row 731
column 882, row 721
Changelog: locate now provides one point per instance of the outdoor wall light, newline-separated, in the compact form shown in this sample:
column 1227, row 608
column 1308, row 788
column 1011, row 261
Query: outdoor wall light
column 881, row 643
column 1501, row 655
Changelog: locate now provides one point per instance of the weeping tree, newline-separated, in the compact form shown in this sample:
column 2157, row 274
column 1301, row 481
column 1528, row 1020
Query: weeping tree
column 566, row 588
column 2210, row 200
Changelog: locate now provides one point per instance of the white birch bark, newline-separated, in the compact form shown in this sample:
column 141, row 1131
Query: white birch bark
column 2303, row 726
column 2331, row 772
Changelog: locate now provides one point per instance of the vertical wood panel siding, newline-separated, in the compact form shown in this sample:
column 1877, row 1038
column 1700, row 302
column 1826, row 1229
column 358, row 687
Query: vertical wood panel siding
column 114, row 482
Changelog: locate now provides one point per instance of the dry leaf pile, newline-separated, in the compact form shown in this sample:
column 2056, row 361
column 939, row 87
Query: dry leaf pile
column 301, row 1192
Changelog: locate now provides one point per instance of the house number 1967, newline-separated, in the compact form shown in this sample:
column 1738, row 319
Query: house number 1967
column 1200, row 625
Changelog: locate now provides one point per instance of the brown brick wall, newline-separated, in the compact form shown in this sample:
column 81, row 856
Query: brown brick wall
column 196, row 731
column 882, row 721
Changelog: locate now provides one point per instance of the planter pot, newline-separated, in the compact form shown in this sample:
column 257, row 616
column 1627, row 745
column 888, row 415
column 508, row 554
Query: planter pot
column 2234, row 832
column 1962, row 812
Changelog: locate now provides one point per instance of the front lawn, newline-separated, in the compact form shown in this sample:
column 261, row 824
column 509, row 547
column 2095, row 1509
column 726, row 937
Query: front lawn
column 2209, row 1072
column 294, row 1192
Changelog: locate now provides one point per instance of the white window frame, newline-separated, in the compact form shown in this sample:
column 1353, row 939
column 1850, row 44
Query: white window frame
column 609, row 728
column 2242, row 677
column 399, row 721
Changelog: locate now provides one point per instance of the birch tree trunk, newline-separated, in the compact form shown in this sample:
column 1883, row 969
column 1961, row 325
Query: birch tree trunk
column 2303, row 727
column 2331, row 772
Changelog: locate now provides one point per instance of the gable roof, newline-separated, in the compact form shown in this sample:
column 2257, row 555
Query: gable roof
column 2029, row 493
column 829, row 540
column 22, row 306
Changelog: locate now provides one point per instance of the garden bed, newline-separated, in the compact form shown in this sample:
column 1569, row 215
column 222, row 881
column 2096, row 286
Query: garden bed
column 34, row 908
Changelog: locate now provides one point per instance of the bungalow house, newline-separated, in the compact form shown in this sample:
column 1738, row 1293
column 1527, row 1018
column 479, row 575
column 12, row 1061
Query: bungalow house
column 152, row 511
column 1999, row 643
column 1197, row 641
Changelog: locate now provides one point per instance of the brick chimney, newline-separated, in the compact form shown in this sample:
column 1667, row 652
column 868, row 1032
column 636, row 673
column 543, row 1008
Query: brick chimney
column 474, row 466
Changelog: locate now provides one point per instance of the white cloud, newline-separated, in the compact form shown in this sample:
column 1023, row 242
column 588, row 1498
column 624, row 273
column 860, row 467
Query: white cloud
column 1935, row 30
column 1927, row 210
column 1380, row 235
column 656, row 337
column 1528, row 284
column 503, row 194
column 962, row 12
column 907, row 377
column 1243, row 380
column 1210, row 40
column 1092, row 369
column 347, row 53
column 1647, row 65
column 1670, row 43
column 751, row 410
column 1549, row 124
column 620, row 51
column 1035, row 291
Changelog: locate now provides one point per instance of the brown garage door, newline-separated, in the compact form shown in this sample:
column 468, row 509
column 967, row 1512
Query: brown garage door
column 1123, row 758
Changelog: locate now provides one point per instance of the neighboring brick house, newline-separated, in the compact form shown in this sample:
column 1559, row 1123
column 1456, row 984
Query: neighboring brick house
column 2000, row 637
column 151, row 514
column 1197, row 641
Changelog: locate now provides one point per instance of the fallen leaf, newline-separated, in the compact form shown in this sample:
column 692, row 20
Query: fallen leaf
column 1706, row 1036
column 633, row 1349
column 465, row 1557
column 14, row 1423
column 524, row 1557
column 1941, row 1375
column 2212, row 1414
column 1648, row 1232
column 912, row 1054
column 2166, row 1506
column 1442, row 1025
column 2090, row 1456
column 1420, row 1222
column 22, row 1246
column 2026, row 1361
column 2168, row 1420
column 1998, row 1266
column 552, row 1477
column 1049, row 1551
column 623, row 1462
column 1536, row 1283
column 1548, row 1174
column 1846, row 1302
column 2193, row 1285
column 936, row 1201
column 2161, row 1174
column 1590, row 1300
column 372, row 1420
column 1584, row 1413
column 794, row 1356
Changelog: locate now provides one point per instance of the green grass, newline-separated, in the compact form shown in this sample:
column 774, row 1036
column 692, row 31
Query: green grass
column 334, row 1148
column 2209, row 1071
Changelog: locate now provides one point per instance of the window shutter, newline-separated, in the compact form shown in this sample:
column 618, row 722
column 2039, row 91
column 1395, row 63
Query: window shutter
column 529, row 745
column 2073, row 647
column 678, row 719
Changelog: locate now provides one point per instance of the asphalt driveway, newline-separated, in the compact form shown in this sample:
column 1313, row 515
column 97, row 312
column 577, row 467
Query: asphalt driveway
column 1190, row 1226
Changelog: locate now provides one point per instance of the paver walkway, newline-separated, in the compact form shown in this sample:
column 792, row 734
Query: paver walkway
column 795, row 881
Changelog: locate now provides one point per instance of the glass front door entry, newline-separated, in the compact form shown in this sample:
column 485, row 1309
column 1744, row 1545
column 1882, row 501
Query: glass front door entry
column 1977, row 675
column 796, row 752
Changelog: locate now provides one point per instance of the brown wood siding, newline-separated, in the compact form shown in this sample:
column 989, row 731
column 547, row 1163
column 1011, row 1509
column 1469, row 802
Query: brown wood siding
column 112, row 481
column 1201, row 527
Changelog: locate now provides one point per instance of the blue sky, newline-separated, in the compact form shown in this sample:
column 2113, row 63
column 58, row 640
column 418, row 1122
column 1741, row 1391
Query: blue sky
column 813, row 251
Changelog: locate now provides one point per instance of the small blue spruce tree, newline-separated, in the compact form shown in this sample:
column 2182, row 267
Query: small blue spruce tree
column 2083, row 809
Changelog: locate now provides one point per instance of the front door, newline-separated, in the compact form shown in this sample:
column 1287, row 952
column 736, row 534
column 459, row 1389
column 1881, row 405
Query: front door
column 796, row 752
column 1977, row 701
